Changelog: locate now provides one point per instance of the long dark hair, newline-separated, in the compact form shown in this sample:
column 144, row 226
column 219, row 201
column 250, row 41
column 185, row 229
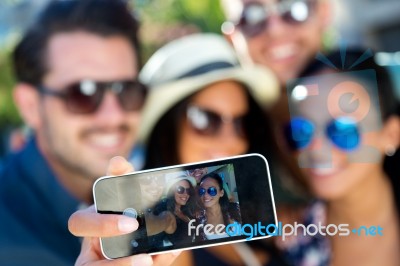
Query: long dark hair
column 191, row 206
column 223, row 201
column 389, row 105
column 162, row 148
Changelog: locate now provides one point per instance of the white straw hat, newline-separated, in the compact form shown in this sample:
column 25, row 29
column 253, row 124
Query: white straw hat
column 173, row 178
column 189, row 64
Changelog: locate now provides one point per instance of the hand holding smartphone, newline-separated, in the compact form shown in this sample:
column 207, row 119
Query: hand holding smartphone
column 189, row 206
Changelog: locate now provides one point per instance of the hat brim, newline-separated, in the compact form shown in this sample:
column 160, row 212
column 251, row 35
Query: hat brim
column 175, row 180
column 260, row 82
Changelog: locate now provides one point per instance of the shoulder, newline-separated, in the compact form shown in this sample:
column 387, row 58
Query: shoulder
column 288, row 214
column 307, row 213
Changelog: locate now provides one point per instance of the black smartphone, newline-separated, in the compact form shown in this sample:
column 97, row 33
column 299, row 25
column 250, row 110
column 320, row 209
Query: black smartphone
column 189, row 206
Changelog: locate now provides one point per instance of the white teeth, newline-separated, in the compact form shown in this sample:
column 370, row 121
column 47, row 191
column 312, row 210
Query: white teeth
column 324, row 170
column 283, row 51
column 105, row 140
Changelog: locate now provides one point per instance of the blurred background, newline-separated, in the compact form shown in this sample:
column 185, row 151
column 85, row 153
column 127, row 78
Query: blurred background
column 374, row 24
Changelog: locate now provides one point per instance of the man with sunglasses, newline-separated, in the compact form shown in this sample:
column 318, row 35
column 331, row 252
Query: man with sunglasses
column 283, row 35
column 76, row 71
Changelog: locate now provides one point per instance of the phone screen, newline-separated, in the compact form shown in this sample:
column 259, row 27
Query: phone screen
column 189, row 206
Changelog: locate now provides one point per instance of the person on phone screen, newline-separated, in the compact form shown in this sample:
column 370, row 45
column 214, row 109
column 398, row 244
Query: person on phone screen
column 198, row 173
column 182, row 201
column 76, row 87
column 218, row 208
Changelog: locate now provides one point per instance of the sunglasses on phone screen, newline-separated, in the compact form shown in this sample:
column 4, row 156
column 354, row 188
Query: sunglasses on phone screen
column 147, row 180
column 343, row 132
column 85, row 97
column 255, row 15
column 182, row 190
column 212, row 191
column 208, row 123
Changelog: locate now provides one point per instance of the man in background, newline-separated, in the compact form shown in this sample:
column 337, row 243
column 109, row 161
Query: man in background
column 283, row 35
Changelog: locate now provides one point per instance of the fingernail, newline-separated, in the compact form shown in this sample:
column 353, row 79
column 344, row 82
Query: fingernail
column 142, row 260
column 127, row 225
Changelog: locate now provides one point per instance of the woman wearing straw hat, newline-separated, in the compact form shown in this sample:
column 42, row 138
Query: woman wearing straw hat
column 204, row 105
column 182, row 202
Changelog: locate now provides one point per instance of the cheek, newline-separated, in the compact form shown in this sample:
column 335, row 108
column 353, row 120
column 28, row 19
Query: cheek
column 256, row 46
column 242, row 146
column 190, row 147
column 371, row 139
column 56, row 121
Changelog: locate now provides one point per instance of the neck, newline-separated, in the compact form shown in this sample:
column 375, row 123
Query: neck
column 214, row 210
column 371, row 203
column 177, row 207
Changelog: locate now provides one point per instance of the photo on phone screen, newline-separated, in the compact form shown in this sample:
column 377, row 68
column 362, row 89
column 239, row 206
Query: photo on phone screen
column 189, row 206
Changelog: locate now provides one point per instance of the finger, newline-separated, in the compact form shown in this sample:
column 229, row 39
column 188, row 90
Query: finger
column 119, row 166
column 92, row 256
column 165, row 259
column 88, row 223
column 137, row 260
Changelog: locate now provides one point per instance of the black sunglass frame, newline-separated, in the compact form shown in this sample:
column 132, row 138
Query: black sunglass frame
column 215, row 122
column 181, row 190
column 283, row 9
column 91, row 101
column 203, row 191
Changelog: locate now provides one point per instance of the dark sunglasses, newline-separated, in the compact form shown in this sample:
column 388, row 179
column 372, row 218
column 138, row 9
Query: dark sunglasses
column 182, row 190
column 209, row 123
column 212, row 191
column 147, row 180
column 342, row 131
column 255, row 15
column 85, row 97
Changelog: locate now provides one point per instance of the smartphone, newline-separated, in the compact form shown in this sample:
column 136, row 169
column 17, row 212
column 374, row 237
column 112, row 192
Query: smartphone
column 189, row 206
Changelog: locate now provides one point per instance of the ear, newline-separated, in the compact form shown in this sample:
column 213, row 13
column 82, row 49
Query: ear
column 390, row 137
column 27, row 100
column 222, row 192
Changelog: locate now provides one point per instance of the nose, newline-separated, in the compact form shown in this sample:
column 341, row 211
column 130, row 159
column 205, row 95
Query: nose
column 229, row 141
column 276, row 26
column 228, row 131
column 319, row 152
column 110, row 111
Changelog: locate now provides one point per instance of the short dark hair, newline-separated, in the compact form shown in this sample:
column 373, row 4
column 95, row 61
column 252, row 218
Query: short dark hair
column 101, row 17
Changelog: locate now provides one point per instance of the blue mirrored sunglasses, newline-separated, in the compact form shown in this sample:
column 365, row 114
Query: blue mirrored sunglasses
column 212, row 191
column 342, row 131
